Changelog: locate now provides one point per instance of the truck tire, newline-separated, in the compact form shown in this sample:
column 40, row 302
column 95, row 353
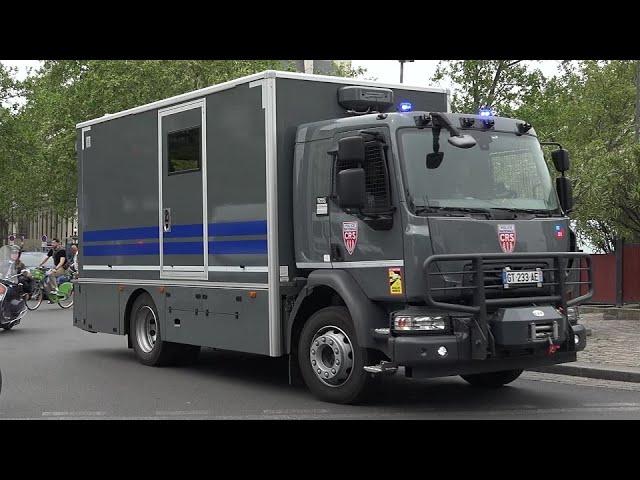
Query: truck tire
column 146, row 335
column 330, row 358
column 492, row 379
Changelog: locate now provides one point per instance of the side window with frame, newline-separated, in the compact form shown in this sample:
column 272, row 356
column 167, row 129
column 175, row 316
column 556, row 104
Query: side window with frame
column 184, row 150
column 376, row 176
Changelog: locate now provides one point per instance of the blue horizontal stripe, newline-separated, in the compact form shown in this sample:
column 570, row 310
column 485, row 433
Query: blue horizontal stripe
column 120, row 234
column 250, row 247
column 228, row 229
column 182, row 231
column 238, row 247
column 183, row 248
column 224, row 229
column 118, row 250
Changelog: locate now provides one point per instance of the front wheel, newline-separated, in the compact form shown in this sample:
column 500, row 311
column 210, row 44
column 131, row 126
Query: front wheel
column 35, row 299
column 492, row 379
column 330, row 358
column 67, row 301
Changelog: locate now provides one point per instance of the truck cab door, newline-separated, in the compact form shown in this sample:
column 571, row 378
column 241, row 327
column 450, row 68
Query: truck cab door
column 369, row 243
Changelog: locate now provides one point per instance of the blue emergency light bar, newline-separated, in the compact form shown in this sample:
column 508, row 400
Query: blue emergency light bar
column 405, row 107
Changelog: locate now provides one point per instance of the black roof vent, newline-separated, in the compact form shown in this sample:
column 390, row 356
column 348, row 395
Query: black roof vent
column 361, row 100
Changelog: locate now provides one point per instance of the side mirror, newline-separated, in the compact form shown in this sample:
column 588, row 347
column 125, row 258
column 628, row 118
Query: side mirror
column 350, row 187
column 565, row 193
column 351, row 149
column 560, row 159
column 434, row 159
column 462, row 141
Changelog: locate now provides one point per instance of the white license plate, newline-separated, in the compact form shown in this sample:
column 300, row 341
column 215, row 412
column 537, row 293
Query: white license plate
column 521, row 277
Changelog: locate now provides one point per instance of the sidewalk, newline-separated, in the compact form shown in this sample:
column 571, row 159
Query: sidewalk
column 612, row 353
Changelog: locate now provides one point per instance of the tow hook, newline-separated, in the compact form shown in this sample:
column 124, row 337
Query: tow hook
column 553, row 348
column 383, row 367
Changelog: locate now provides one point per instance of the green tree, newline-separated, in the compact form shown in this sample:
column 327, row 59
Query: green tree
column 589, row 109
column 63, row 93
column 501, row 84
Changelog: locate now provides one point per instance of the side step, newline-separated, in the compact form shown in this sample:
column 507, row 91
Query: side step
column 383, row 367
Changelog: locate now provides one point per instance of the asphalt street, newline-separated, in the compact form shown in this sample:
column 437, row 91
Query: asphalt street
column 52, row 370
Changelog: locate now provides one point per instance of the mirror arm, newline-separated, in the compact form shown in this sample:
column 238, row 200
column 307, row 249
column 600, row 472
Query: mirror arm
column 443, row 121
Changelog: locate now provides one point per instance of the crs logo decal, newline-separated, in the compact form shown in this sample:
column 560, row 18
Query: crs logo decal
column 507, row 237
column 350, row 235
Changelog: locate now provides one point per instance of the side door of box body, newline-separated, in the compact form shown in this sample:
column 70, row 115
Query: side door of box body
column 183, row 191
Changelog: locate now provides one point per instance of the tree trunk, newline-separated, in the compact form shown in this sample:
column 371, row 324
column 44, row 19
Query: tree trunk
column 637, row 118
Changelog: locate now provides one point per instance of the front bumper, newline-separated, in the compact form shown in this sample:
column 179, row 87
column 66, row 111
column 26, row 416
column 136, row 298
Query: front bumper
column 420, row 355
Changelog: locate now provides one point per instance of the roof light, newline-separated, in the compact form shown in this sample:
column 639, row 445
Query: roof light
column 486, row 112
column 405, row 107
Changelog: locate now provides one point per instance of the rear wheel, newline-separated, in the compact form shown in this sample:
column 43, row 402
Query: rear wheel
column 35, row 299
column 146, row 335
column 492, row 379
column 330, row 358
column 7, row 327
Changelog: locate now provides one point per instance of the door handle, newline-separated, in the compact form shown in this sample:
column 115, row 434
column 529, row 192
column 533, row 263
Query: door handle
column 336, row 253
column 166, row 220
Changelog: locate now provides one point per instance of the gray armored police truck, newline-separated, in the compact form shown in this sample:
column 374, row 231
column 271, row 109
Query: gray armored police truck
column 357, row 227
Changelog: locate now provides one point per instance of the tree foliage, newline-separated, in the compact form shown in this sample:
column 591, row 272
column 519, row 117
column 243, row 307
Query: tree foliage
column 37, row 151
column 589, row 107
column 38, row 157
column 502, row 84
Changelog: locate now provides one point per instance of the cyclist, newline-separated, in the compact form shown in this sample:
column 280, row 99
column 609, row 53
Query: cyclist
column 72, row 263
column 60, row 264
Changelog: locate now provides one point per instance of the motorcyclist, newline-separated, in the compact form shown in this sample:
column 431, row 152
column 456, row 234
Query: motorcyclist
column 24, row 276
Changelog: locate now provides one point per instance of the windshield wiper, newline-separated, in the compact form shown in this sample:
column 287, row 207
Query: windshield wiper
column 534, row 211
column 425, row 209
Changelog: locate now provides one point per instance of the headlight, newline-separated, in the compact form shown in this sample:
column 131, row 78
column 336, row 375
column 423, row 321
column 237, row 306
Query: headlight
column 573, row 315
column 404, row 323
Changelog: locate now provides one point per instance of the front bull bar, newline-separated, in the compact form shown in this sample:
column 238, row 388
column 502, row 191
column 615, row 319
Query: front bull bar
column 481, row 337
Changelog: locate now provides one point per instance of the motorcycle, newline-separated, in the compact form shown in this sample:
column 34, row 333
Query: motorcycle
column 12, row 302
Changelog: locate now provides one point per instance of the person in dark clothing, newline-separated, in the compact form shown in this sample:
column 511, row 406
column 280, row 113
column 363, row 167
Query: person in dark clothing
column 24, row 276
column 60, row 264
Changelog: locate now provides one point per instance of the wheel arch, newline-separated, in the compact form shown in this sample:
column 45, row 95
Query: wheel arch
column 335, row 287
column 127, row 310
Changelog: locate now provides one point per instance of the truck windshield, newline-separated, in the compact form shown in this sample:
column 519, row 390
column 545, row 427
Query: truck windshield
column 503, row 171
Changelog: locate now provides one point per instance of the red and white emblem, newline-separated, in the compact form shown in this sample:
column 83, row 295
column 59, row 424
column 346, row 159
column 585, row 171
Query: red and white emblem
column 507, row 237
column 350, row 235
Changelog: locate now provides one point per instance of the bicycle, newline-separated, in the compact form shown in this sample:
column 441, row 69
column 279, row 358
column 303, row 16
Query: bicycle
column 64, row 298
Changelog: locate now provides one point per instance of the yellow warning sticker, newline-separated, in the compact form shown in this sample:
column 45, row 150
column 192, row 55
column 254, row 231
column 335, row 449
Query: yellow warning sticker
column 395, row 281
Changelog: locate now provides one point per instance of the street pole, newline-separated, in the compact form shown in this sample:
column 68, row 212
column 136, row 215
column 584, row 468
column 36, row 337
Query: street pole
column 402, row 68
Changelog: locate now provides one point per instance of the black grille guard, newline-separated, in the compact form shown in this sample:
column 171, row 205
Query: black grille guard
column 481, row 335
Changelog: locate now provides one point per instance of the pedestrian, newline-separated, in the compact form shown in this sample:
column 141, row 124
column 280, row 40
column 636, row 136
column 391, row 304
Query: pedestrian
column 60, row 264
column 73, row 259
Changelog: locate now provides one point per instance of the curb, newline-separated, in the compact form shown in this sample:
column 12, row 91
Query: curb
column 593, row 370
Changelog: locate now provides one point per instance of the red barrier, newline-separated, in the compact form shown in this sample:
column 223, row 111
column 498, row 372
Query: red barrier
column 604, row 276
column 631, row 273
